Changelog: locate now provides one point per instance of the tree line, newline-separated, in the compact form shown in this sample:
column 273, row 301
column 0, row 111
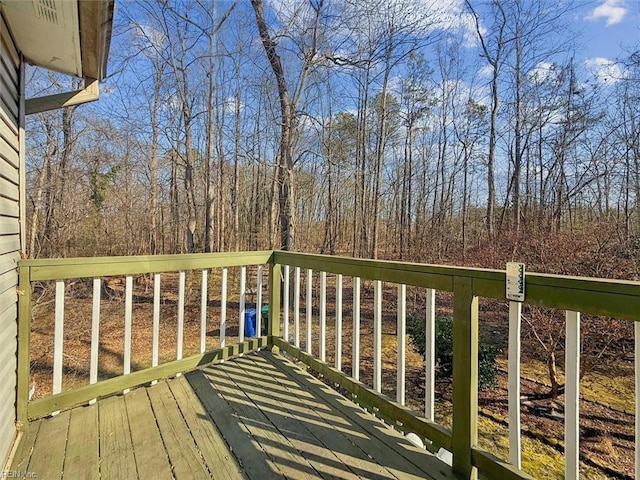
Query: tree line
column 372, row 128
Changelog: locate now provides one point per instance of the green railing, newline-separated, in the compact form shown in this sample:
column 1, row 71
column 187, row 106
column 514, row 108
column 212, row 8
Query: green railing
column 617, row 299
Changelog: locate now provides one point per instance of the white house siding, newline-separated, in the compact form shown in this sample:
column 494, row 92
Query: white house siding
column 9, row 233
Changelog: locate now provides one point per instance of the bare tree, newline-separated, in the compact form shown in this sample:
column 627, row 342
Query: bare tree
column 288, row 111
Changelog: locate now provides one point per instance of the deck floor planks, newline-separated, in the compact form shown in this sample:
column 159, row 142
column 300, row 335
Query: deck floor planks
column 258, row 416
column 183, row 454
column 399, row 455
column 288, row 459
column 253, row 460
column 25, row 447
column 150, row 455
column 333, row 431
column 212, row 446
column 81, row 458
column 116, row 449
column 47, row 459
column 315, row 452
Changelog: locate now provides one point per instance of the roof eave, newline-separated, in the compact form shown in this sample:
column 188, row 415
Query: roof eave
column 96, row 20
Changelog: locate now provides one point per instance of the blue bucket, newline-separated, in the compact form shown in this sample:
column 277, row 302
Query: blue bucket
column 250, row 322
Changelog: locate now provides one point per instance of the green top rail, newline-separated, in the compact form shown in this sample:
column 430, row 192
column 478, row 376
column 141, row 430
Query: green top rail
column 87, row 267
column 613, row 298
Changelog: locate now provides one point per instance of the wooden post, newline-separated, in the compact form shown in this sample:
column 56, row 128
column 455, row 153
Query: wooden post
column 274, row 302
column 465, row 376
column 24, row 329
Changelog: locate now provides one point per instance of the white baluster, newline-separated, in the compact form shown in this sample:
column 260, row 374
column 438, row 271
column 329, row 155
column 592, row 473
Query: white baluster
column 401, row 333
column 204, row 302
column 377, row 336
column 309, row 308
column 323, row 316
column 285, row 310
column 338, row 342
column 243, row 298
column 296, row 309
column 355, row 350
column 515, row 447
column 572, row 396
column 180, row 335
column 259, row 302
column 430, row 355
column 223, row 309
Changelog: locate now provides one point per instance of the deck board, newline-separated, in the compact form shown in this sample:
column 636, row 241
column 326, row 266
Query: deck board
column 151, row 458
column 329, row 429
column 283, row 454
column 253, row 460
column 254, row 417
column 208, row 439
column 25, row 447
column 314, row 451
column 116, row 448
column 183, row 453
column 386, row 445
column 81, row 458
column 49, row 449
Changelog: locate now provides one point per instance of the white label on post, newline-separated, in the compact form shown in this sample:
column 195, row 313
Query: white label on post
column 515, row 281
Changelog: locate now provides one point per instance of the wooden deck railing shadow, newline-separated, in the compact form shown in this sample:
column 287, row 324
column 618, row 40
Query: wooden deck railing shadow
column 286, row 273
column 331, row 434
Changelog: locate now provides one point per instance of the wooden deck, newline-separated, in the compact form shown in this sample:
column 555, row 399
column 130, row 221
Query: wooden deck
column 257, row 417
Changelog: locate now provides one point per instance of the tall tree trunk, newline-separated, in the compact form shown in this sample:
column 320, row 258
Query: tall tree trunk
column 153, row 161
column 209, row 227
column 284, row 167
column 236, row 170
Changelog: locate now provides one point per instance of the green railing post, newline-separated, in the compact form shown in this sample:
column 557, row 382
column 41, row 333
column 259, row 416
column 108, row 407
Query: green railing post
column 465, row 376
column 24, row 331
column 274, row 302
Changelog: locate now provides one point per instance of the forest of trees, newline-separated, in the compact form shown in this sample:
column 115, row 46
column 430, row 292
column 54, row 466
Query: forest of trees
column 373, row 128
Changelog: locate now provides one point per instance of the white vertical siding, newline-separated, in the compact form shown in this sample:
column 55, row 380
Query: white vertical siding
column 9, row 233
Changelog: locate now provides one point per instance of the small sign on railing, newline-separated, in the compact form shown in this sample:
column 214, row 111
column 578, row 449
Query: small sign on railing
column 515, row 281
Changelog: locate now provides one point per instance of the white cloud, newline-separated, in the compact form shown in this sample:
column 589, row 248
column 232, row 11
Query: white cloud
column 613, row 11
column 604, row 70
column 541, row 72
column 452, row 17
column 486, row 71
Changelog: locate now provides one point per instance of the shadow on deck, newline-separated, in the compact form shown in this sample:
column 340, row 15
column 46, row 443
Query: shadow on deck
column 257, row 416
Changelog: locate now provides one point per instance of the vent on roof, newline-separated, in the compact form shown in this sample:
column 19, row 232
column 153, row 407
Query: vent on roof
column 46, row 10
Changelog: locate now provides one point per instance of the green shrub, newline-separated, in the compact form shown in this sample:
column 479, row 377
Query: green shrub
column 444, row 350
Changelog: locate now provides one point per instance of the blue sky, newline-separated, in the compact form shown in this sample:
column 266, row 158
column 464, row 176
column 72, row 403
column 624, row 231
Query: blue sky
column 609, row 27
